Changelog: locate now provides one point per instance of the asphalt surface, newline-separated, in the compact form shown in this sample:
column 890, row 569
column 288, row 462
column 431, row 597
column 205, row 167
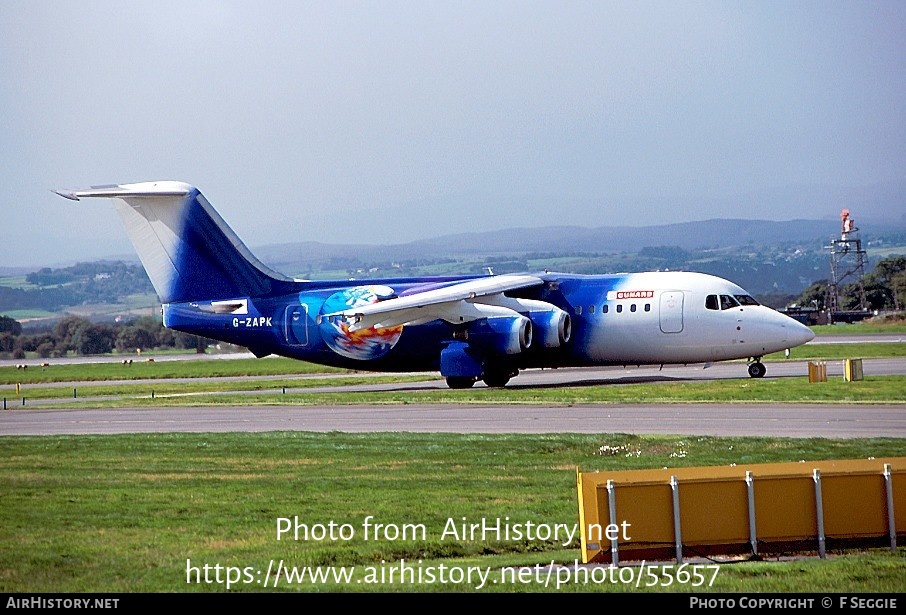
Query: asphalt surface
column 891, row 338
column 787, row 420
column 718, row 419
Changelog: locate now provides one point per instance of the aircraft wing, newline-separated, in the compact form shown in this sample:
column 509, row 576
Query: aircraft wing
column 461, row 302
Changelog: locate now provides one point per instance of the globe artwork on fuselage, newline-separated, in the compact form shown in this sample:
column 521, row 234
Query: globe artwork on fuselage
column 363, row 344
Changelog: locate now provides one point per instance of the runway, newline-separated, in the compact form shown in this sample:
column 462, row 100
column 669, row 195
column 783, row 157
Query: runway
column 842, row 338
column 788, row 420
column 833, row 420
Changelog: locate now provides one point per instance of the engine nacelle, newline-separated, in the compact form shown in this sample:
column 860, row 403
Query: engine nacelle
column 552, row 326
column 501, row 334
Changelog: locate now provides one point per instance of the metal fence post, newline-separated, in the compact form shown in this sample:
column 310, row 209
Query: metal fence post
column 891, row 519
column 612, row 509
column 677, row 531
column 750, row 490
column 819, row 512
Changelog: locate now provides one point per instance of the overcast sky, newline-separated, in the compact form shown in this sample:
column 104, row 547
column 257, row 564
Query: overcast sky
column 384, row 122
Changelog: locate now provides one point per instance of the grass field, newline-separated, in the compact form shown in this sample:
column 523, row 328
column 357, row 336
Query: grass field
column 147, row 512
column 131, row 513
column 16, row 281
column 25, row 315
column 142, row 369
column 872, row 389
column 867, row 327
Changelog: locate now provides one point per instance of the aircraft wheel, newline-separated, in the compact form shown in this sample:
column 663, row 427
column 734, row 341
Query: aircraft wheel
column 757, row 369
column 496, row 378
column 460, row 382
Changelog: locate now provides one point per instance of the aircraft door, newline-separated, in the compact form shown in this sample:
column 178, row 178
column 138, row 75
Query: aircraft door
column 295, row 325
column 671, row 315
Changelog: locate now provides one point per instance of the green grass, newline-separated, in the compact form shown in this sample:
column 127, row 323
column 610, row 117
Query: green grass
column 125, row 513
column 878, row 350
column 139, row 304
column 237, row 380
column 22, row 315
column 873, row 389
column 884, row 252
column 16, row 281
column 185, row 390
column 141, row 369
column 866, row 327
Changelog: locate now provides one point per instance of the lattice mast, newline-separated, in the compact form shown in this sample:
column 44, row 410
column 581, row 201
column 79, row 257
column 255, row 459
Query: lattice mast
column 847, row 264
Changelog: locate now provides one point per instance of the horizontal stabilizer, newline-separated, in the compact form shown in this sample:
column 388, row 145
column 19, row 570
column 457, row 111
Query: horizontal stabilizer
column 146, row 189
column 189, row 252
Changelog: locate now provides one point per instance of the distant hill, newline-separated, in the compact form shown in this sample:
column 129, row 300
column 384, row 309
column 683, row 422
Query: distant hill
column 769, row 259
column 703, row 235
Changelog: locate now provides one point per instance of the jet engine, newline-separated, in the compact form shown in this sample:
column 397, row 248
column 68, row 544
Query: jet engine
column 501, row 334
column 552, row 326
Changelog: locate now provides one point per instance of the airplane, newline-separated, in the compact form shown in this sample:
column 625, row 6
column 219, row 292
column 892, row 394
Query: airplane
column 468, row 327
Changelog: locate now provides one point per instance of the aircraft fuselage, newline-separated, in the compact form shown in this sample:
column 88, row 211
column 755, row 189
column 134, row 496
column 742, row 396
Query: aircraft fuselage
column 466, row 327
column 621, row 319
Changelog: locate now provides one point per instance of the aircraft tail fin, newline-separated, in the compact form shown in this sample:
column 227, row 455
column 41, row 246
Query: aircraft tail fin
column 188, row 250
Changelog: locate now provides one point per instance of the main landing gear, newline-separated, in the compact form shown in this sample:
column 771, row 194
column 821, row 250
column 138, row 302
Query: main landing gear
column 494, row 378
column 497, row 378
column 757, row 368
column 460, row 382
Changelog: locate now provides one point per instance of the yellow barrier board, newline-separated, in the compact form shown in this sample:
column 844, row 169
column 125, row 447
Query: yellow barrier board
column 817, row 371
column 852, row 370
column 747, row 509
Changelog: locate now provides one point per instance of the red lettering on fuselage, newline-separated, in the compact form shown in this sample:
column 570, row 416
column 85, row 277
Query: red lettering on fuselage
column 635, row 294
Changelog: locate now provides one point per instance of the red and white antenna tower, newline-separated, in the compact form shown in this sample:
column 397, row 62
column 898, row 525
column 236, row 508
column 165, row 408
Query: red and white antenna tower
column 847, row 268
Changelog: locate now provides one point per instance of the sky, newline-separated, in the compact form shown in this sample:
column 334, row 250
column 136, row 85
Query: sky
column 390, row 121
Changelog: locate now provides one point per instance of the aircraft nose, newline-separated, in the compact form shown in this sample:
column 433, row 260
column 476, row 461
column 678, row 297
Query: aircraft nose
column 785, row 332
column 794, row 332
column 800, row 334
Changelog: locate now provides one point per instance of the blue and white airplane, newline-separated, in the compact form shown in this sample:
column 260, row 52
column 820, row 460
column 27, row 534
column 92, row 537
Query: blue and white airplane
column 470, row 328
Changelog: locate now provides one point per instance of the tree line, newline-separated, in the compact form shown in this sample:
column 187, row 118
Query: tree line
column 885, row 289
column 74, row 334
column 83, row 283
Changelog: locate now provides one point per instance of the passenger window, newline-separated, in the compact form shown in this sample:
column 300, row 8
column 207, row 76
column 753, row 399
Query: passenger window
column 619, row 308
column 591, row 309
column 647, row 307
column 579, row 309
column 632, row 308
column 605, row 308
column 711, row 302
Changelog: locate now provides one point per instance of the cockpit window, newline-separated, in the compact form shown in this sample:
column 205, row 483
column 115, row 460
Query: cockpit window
column 727, row 302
